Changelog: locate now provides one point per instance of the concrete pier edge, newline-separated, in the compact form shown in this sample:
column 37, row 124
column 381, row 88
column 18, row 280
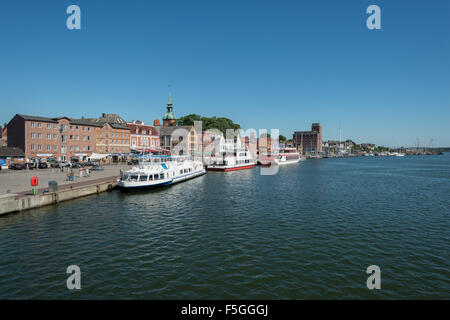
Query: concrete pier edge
column 10, row 203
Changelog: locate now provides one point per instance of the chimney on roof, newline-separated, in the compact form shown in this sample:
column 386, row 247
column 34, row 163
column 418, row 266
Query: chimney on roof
column 156, row 123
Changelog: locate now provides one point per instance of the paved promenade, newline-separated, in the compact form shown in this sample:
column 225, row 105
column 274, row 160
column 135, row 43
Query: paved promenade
column 19, row 181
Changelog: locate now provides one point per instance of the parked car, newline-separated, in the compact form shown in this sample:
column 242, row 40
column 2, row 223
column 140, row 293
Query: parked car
column 29, row 165
column 90, row 163
column 77, row 165
column 15, row 166
column 97, row 168
column 54, row 164
column 43, row 165
column 59, row 164
column 133, row 162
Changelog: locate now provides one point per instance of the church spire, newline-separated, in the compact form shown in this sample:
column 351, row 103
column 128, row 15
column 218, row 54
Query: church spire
column 169, row 118
column 170, row 98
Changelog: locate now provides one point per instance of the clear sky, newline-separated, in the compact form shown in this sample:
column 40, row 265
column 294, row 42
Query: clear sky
column 264, row 64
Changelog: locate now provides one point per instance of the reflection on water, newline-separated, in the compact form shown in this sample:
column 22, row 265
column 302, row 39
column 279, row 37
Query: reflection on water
column 308, row 232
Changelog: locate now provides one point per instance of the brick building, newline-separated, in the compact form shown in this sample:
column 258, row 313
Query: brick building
column 180, row 140
column 42, row 137
column 309, row 141
column 4, row 137
column 143, row 138
column 9, row 155
column 112, row 134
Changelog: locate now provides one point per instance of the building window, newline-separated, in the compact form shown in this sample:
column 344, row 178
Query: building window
column 89, row 138
column 89, row 148
column 84, row 148
column 49, row 125
column 49, row 147
column 71, row 148
column 55, row 148
column 39, row 125
column 55, row 136
column 78, row 137
column 89, row 128
column 39, row 135
column 55, row 126
column 32, row 147
column 39, row 147
column 71, row 137
column 71, row 127
column 32, row 124
column 49, row 136
column 32, row 135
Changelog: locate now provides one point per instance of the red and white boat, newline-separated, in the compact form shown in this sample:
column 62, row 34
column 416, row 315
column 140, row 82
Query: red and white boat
column 230, row 155
column 285, row 156
column 288, row 155
column 238, row 161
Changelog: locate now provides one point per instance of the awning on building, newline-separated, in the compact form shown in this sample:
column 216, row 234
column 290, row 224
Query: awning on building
column 98, row 156
column 148, row 150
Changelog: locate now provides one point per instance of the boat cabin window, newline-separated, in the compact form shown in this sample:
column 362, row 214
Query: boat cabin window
column 133, row 178
column 181, row 171
column 161, row 176
column 150, row 177
column 155, row 177
column 143, row 178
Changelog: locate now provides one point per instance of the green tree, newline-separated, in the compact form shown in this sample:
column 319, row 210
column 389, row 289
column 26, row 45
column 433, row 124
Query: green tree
column 221, row 124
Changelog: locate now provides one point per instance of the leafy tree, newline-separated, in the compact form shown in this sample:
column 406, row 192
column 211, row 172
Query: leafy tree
column 221, row 124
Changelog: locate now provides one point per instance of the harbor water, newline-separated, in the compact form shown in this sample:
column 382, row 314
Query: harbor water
column 308, row 232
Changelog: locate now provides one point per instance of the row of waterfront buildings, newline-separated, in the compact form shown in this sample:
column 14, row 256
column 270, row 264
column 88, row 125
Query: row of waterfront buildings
column 27, row 138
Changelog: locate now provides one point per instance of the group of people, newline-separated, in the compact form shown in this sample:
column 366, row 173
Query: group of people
column 84, row 172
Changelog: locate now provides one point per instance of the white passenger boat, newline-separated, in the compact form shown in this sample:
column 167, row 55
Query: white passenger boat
column 239, row 160
column 160, row 171
column 230, row 155
column 288, row 155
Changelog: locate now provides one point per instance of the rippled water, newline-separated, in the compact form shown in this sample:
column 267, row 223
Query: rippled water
column 308, row 232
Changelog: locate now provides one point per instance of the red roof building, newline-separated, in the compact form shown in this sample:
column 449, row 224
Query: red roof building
column 143, row 138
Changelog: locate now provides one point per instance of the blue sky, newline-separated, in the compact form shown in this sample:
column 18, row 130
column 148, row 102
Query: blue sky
column 264, row 64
